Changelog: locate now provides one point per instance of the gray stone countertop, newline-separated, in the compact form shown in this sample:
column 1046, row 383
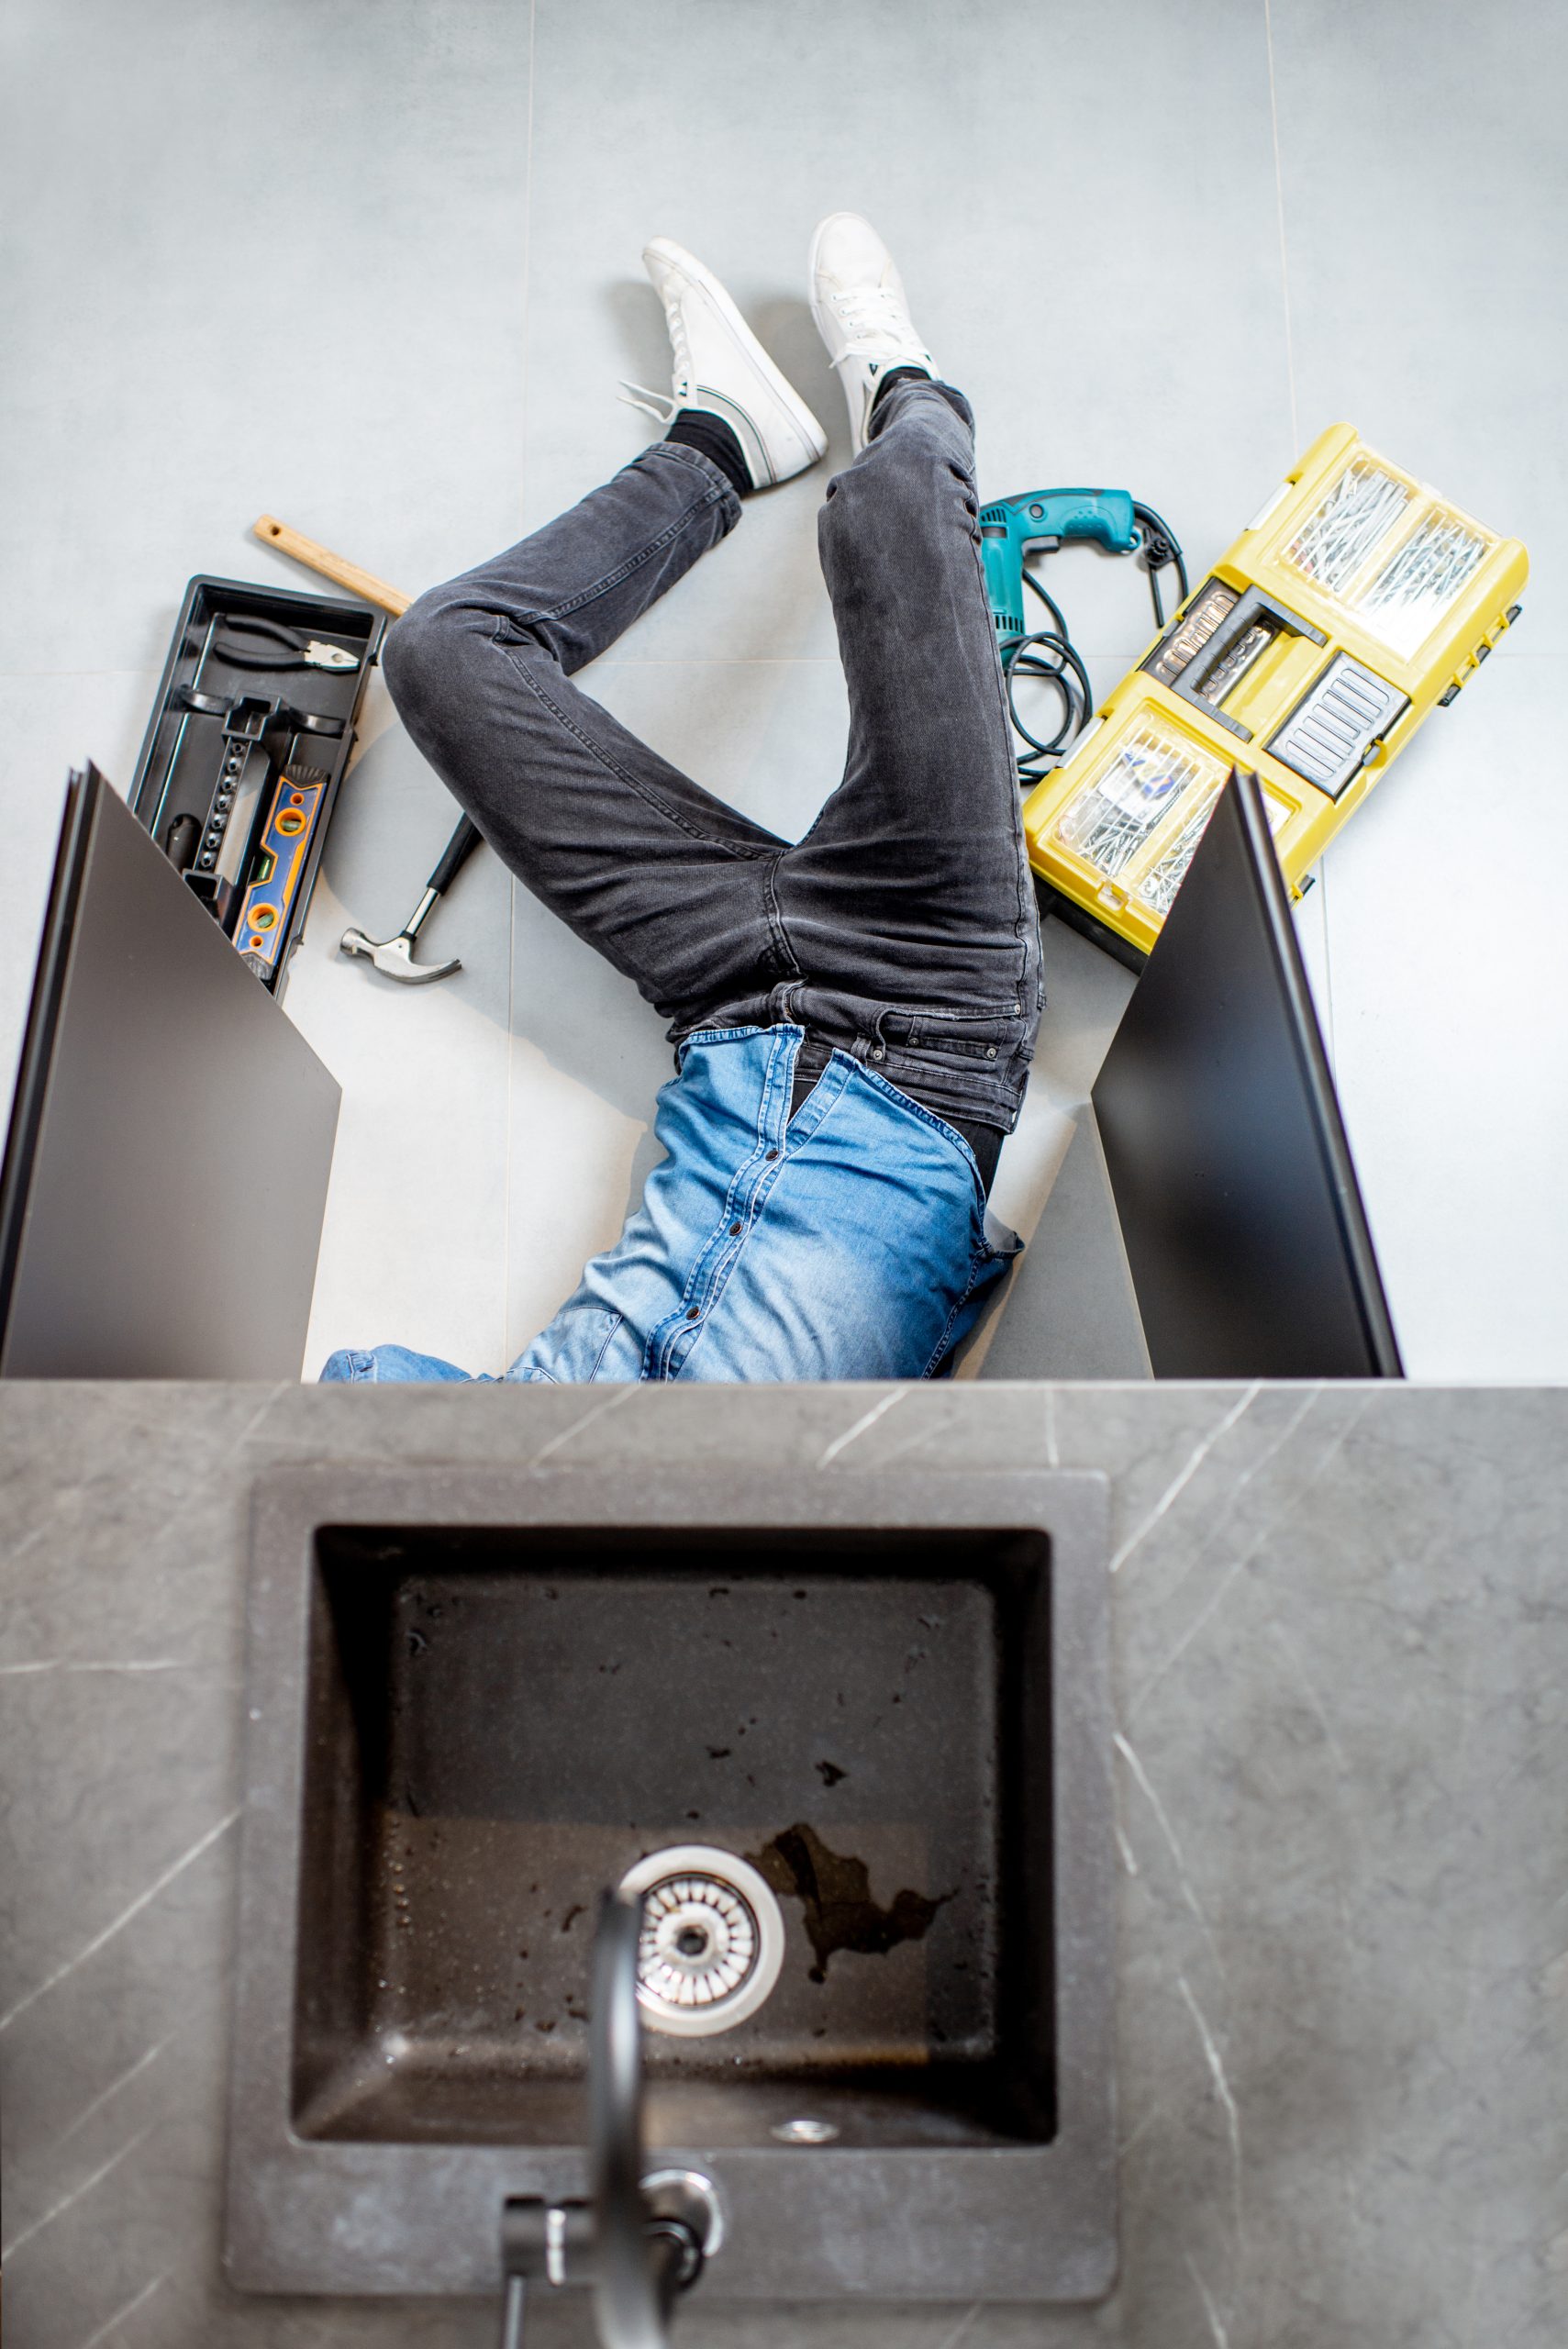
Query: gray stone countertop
column 1342, row 1788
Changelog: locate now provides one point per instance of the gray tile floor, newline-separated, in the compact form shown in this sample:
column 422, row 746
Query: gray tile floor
column 376, row 269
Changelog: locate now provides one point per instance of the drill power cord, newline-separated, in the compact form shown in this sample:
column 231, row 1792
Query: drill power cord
column 1048, row 655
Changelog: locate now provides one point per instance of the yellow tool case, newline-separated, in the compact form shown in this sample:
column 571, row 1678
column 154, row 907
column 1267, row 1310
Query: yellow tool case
column 1352, row 604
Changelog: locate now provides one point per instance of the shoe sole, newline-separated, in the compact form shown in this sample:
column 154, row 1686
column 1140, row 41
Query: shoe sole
column 666, row 249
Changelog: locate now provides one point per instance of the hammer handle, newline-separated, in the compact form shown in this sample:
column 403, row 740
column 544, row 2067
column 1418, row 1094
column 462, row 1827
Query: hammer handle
column 454, row 856
column 273, row 533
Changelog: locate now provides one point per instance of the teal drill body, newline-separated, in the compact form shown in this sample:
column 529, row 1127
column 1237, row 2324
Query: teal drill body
column 1014, row 527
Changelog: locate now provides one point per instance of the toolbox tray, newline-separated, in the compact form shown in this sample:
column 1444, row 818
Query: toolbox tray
column 184, row 750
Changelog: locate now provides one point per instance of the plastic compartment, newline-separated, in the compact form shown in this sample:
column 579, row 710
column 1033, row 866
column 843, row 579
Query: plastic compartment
column 1388, row 552
column 1364, row 507
column 1144, row 778
column 188, row 758
column 1422, row 581
column 1159, row 886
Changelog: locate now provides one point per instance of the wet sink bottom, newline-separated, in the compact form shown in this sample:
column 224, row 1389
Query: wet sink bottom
column 500, row 1730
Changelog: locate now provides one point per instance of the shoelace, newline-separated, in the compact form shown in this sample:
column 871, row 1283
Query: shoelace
column 875, row 317
column 661, row 405
column 658, row 405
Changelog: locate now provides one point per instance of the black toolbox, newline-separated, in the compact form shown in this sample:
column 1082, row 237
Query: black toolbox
column 248, row 742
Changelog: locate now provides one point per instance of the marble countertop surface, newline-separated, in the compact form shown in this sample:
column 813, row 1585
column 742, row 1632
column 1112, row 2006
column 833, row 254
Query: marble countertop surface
column 1341, row 1684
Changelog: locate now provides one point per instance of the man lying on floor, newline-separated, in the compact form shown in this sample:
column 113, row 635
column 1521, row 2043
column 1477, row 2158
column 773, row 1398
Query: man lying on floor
column 853, row 1015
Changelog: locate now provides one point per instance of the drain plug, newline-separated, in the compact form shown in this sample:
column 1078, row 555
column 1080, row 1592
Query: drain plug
column 712, row 1939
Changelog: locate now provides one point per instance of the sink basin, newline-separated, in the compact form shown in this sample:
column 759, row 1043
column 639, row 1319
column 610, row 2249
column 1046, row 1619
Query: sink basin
column 478, row 1698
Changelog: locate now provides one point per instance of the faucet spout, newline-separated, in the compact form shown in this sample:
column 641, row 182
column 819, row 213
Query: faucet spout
column 641, row 2261
column 636, row 2255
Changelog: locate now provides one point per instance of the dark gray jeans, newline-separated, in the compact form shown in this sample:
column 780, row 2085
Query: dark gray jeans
column 902, row 928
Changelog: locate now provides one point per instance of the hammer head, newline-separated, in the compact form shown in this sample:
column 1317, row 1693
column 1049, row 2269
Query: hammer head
column 393, row 957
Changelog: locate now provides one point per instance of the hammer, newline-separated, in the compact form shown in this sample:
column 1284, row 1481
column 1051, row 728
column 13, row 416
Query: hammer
column 393, row 957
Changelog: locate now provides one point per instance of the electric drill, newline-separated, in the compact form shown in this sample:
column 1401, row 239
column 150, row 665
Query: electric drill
column 1038, row 520
column 1015, row 527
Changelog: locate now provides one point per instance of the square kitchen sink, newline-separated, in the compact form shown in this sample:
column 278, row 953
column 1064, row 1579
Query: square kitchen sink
column 478, row 1698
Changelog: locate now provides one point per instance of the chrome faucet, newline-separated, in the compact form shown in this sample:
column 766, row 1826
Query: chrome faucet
column 639, row 2239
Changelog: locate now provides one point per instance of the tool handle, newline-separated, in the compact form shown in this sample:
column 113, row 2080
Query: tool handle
column 1104, row 515
column 454, row 856
column 273, row 533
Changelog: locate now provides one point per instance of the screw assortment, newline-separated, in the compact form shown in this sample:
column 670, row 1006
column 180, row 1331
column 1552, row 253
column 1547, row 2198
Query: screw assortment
column 1159, row 887
column 1109, row 821
column 1408, row 598
column 1357, row 601
column 1357, row 515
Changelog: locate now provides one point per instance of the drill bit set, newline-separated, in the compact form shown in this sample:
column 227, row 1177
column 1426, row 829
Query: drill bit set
column 1357, row 601
column 248, row 739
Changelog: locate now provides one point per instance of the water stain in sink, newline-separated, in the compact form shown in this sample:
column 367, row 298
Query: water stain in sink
column 834, row 1888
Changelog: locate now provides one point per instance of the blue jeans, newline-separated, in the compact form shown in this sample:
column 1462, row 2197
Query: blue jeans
column 902, row 929
column 848, row 1239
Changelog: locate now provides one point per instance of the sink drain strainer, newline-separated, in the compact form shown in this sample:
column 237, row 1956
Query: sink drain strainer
column 712, row 1939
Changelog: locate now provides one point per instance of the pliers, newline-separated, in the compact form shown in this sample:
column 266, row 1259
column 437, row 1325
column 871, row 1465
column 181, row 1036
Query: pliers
column 293, row 648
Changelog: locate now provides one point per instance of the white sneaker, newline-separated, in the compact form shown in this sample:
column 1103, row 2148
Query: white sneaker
column 858, row 302
column 722, row 368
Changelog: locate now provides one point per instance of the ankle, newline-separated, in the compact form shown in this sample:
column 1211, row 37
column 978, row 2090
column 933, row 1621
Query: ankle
column 898, row 376
column 699, row 428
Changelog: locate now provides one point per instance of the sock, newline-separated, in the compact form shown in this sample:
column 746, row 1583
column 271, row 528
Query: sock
column 698, row 427
column 898, row 376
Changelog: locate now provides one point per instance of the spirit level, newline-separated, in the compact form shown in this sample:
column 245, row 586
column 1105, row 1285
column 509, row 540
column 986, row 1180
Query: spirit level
column 277, row 864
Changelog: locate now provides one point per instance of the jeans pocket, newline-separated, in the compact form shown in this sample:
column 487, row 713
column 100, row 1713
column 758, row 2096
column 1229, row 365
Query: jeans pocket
column 959, row 1027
